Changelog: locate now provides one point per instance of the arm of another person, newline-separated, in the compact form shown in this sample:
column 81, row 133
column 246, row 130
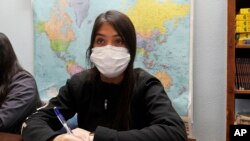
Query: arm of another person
column 43, row 125
column 164, row 124
column 19, row 103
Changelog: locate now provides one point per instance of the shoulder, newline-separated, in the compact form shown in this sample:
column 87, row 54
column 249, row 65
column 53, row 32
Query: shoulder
column 81, row 76
column 79, row 79
column 144, row 82
column 22, row 84
column 143, row 77
column 23, row 77
column 141, row 72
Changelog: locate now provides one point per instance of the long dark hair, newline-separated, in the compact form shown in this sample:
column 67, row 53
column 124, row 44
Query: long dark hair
column 125, row 28
column 8, row 65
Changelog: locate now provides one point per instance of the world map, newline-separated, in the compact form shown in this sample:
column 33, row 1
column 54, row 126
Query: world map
column 62, row 31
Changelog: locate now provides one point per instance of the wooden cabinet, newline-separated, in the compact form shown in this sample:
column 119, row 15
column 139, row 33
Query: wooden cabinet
column 234, row 52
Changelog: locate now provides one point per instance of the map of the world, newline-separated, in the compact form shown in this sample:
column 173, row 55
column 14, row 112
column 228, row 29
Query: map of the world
column 62, row 31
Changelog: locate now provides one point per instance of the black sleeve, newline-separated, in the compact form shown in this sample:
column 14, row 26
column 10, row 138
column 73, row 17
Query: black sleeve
column 43, row 124
column 20, row 102
column 164, row 124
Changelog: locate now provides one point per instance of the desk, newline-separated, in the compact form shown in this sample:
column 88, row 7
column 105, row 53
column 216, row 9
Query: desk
column 190, row 139
column 16, row 137
column 10, row 137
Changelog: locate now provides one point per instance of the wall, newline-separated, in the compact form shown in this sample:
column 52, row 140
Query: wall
column 209, row 66
column 210, row 32
column 16, row 22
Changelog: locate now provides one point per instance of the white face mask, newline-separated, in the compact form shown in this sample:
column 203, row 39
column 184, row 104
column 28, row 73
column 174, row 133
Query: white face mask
column 110, row 61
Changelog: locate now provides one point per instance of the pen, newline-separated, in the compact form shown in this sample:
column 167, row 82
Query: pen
column 62, row 120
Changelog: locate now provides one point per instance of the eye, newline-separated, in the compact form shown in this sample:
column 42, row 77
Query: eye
column 99, row 42
column 119, row 42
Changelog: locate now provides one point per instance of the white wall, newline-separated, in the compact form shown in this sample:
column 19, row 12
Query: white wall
column 210, row 23
column 210, row 31
column 16, row 22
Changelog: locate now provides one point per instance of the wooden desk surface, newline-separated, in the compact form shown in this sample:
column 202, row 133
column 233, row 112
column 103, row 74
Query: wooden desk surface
column 189, row 139
column 16, row 137
column 10, row 137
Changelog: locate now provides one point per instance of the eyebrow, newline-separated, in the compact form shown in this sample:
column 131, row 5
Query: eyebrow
column 99, row 34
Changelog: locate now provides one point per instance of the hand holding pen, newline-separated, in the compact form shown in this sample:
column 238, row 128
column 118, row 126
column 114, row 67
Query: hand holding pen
column 62, row 120
column 81, row 134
